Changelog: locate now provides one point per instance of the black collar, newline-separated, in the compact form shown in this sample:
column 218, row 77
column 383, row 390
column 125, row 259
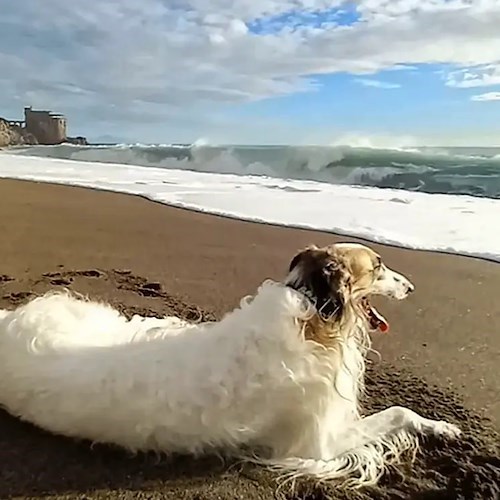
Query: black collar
column 327, row 307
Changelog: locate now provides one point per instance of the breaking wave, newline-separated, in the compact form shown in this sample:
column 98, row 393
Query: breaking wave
column 472, row 171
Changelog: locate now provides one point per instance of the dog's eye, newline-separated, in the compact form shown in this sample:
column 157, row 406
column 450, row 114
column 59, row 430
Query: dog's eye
column 330, row 267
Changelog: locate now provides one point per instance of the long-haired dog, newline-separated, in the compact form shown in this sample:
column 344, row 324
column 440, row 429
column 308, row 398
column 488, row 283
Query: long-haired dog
column 277, row 380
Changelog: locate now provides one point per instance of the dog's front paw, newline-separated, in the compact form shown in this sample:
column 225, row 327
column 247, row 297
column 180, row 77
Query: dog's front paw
column 445, row 429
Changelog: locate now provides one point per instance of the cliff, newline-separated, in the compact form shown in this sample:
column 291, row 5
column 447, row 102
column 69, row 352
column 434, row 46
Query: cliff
column 13, row 135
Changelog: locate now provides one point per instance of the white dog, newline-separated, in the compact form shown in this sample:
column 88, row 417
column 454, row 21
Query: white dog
column 278, row 377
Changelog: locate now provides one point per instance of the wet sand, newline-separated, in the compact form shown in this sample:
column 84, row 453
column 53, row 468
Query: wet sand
column 440, row 359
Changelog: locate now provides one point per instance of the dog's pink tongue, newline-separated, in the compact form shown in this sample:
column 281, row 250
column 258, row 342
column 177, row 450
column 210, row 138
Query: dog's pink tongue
column 379, row 321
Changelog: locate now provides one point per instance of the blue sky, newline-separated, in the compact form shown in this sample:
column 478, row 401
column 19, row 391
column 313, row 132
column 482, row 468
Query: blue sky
column 371, row 72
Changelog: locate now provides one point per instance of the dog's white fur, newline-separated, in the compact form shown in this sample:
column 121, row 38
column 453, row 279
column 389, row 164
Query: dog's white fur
column 252, row 381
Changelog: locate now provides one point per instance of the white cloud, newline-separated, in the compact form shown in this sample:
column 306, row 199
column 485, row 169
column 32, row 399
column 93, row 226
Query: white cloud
column 488, row 96
column 481, row 76
column 378, row 84
column 156, row 61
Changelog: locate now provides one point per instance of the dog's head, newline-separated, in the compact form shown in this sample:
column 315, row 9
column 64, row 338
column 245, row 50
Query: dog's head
column 345, row 274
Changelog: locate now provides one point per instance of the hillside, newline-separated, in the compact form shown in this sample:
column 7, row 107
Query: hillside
column 12, row 135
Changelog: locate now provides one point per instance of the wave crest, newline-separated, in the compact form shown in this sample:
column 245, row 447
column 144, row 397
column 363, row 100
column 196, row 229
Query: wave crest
column 434, row 170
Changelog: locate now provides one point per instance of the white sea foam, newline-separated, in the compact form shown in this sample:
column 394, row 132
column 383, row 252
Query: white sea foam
column 450, row 223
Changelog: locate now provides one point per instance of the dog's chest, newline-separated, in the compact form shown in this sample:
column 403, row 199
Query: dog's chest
column 350, row 369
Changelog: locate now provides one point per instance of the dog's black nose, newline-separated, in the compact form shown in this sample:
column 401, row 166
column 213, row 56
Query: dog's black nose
column 410, row 287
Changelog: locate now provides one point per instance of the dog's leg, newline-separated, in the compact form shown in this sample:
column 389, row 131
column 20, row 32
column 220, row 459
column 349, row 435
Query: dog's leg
column 389, row 423
column 359, row 453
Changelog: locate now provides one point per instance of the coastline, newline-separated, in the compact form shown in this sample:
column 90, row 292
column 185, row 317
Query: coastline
column 54, row 235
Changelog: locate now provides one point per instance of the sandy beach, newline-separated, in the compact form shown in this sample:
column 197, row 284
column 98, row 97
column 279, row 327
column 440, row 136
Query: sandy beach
column 441, row 357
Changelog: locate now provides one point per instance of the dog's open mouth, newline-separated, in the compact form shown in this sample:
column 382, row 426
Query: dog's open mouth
column 376, row 320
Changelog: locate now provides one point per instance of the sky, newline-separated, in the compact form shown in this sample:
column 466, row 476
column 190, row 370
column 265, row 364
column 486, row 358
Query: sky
column 371, row 72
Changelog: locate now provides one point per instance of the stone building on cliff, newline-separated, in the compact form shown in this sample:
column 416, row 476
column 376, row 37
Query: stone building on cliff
column 47, row 127
column 38, row 127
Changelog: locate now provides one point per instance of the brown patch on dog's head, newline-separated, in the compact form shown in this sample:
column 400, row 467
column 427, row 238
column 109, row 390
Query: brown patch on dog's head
column 320, row 275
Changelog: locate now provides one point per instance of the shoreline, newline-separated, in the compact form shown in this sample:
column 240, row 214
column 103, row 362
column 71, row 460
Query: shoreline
column 240, row 218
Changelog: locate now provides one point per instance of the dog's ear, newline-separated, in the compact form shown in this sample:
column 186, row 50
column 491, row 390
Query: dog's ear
column 321, row 277
column 300, row 256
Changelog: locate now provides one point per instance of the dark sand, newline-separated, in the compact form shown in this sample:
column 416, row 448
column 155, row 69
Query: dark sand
column 441, row 359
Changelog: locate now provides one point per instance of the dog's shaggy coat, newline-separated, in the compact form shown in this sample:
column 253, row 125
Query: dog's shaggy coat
column 276, row 381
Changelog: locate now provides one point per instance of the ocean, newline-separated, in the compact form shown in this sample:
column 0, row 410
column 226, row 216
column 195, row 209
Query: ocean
column 474, row 171
column 443, row 199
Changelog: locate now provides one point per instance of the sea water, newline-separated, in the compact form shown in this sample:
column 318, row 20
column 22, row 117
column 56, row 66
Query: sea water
column 474, row 171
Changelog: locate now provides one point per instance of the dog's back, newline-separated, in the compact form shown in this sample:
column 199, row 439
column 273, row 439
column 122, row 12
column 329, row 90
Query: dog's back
column 61, row 321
